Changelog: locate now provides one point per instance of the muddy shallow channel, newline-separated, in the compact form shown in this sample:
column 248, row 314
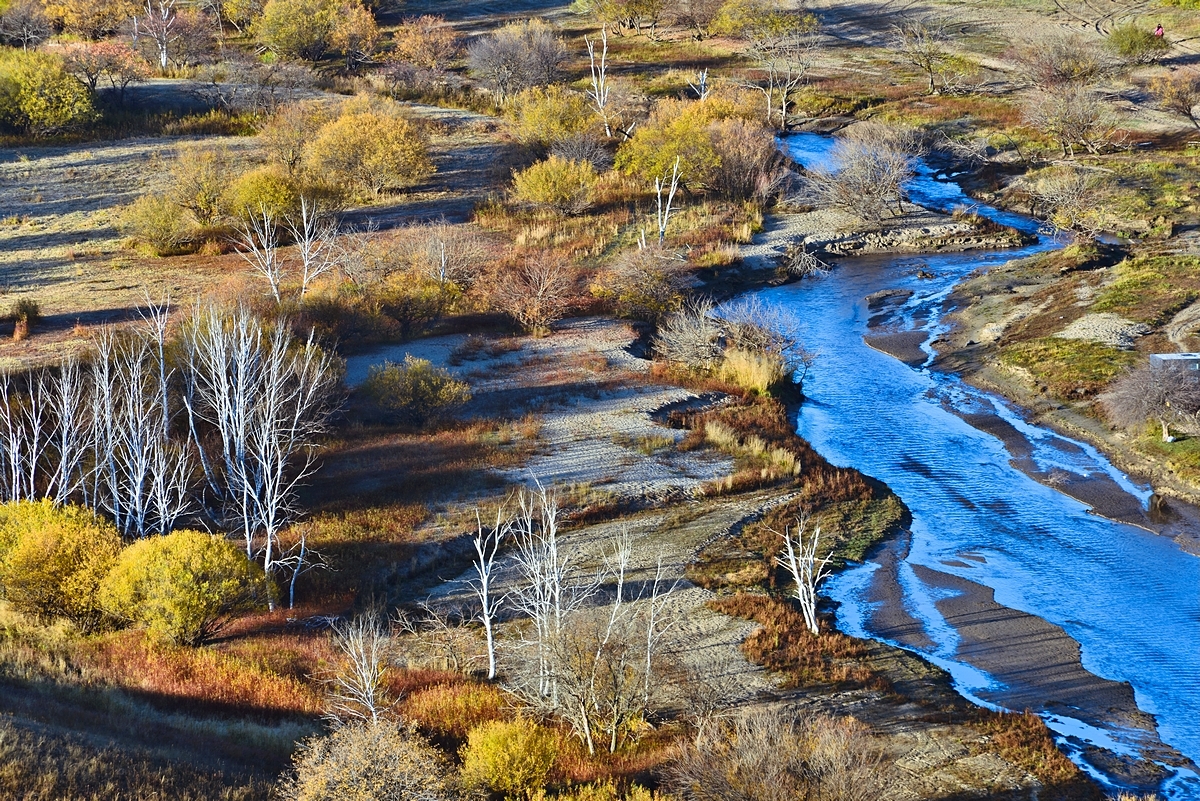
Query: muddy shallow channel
column 1032, row 598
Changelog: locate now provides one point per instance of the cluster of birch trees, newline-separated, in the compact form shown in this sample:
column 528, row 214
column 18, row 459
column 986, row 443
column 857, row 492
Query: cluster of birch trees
column 591, row 648
column 215, row 424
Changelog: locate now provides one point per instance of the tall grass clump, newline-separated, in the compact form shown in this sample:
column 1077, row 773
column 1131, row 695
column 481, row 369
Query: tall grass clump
column 757, row 372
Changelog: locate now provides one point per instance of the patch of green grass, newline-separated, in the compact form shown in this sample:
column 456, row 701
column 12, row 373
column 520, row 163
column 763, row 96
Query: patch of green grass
column 1151, row 289
column 1183, row 455
column 859, row 524
column 1070, row 368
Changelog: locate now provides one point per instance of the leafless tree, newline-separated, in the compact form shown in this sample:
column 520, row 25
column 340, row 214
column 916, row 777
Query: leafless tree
column 871, row 164
column 24, row 23
column 241, row 83
column 691, row 337
column 71, row 434
column 924, row 44
column 316, row 238
column 807, row 570
column 536, row 294
column 518, row 56
column 751, row 325
column 802, row 263
column 260, row 249
column 1179, row 92
column 599, row 72
column 1074, row 116
column 783, row 47
column 1064, row 61
column 763, row 755
column 1168, row 395
column 487, row 542
column 748, row 164
column 357, row 691
column 663, row 209
column 697, row 15
column 157, row 25
column 699, row 84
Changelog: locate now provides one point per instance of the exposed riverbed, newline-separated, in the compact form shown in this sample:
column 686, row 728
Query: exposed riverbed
column 1026, row 595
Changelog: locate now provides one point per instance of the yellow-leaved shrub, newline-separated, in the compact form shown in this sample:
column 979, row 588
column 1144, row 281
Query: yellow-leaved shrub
column 52, row 559
column 512, row 758
column 556, row 183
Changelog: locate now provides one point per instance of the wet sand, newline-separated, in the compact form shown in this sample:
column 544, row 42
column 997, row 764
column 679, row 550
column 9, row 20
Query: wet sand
column 1037, row 662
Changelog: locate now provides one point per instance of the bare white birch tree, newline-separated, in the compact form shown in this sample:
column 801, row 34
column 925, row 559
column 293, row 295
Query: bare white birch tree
column 357, row 691
column 316, row 239
column 157, row 25
column 600, row 88
column 807, row 570
column 260, row 249
column 663, row 210
column 487, row 544
column 71, row 433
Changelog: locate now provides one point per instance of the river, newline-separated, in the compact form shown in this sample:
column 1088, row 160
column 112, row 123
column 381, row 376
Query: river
column 1129, row 598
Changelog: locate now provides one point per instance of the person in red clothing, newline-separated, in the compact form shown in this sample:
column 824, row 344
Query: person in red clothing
column 1158, row 31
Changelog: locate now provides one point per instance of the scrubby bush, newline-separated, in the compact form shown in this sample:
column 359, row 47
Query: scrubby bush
column 199, row 178
column 690, row 337
column 1137, row 45
column 512, row 758
column 156, row 221
column 426, row 42
column 748, row 163
column 1058, row 61
column 1178, row 92
column 297, row 28
column 643, row 284
column 563, row 186
column 287, row 134
column 761, row 756
column 370, row 148
column 53, row 559
column 545, row 115
column 871, row 164
column 355, row 34
column 379, row 762
column 27, row 310
column 415, row 391
column 516, row 57
column 39, row 95
column 184, row 586
column 534, row 294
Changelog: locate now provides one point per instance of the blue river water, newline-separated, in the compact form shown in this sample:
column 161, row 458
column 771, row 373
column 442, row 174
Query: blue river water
column 1130, row 598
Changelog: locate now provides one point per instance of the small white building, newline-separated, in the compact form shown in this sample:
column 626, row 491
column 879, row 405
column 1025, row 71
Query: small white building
column 1179, row 361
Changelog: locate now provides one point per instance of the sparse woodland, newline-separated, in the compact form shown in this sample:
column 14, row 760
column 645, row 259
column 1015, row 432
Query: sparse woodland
column 236, row 563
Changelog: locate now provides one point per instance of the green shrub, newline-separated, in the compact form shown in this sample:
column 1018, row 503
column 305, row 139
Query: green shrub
column 1136, row 44
column 156, row 221
column 511, row 758
column 556, row 183
column 379, row 762
column 415, row 391
column 38, row 95
column 184, row 586
column 53, row 559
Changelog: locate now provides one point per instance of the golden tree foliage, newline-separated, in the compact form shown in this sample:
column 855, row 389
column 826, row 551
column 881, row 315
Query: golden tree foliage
column 90, row 19
column 37, row 93
column 512, row 758
column 426, row 41
column 53, row 559
column 370, row 148
column 297, row 28
column 545, row 115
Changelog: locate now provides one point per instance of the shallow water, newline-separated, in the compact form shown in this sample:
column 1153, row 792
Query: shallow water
column 1130, row 598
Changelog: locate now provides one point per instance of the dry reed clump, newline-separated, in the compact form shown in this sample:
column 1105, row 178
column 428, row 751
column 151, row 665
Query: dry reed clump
column 1025, row 741
column 755, row 372
column 198, row 679
column 784, row 644
column 754, row 446
column 447, row 712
